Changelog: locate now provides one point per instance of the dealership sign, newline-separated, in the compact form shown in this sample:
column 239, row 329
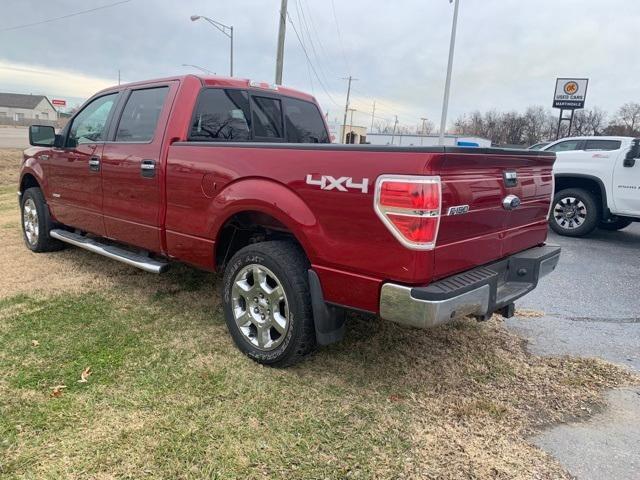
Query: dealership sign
column 59, row 103
column 570, row 93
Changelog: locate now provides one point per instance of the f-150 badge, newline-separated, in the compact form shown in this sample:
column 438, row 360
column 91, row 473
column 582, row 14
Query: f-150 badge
column 458, row 210
column 327, row 182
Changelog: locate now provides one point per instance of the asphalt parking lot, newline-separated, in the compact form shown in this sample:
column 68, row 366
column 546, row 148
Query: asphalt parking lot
column 14, row 137
column 591, row 308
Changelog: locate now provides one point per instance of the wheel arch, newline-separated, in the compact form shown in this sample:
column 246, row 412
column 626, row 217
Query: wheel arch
column 587, row 182
column 28, row 180
column 278, row 213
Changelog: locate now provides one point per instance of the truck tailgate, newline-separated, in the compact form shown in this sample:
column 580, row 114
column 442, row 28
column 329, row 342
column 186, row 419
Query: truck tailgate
column 488, row 230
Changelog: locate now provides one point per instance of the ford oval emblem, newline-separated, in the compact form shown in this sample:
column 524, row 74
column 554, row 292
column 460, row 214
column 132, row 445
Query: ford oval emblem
column 511, row 202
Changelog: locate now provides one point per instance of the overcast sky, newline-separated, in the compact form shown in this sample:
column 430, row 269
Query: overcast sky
column 508, row 52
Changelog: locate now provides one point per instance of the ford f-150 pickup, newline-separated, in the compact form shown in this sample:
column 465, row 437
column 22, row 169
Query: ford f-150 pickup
column 236, row 176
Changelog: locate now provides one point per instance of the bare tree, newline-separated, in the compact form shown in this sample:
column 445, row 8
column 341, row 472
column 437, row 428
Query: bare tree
column 539, row 124
column 426, row 127
column 382, row 126
column 589, row 122
column 629, row 116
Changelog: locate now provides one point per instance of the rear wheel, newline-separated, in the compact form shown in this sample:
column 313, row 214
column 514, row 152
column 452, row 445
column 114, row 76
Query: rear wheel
column 614, row 223
column 575, row 212
column 267, row 303
column 36, row 222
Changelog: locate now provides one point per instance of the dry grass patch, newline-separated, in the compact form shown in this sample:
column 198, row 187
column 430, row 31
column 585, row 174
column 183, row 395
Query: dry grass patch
column 10, row 159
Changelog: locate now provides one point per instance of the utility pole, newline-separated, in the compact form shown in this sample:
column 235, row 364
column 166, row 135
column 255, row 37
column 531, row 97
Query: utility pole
column 447, row 84
column 280, row 50
column 393, row 134
column 373, row 114
column 346, row 108
column 118, row 76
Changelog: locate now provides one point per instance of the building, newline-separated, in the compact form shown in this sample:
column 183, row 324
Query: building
column 354, row 133
column 417, row 140
column 19, row 108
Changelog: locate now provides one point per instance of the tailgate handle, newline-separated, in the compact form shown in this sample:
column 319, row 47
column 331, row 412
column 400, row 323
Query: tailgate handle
column 510, row 178
column 148, row 168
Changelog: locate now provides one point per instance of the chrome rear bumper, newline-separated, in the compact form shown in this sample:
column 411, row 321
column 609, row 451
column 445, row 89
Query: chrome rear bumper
column 479, row 292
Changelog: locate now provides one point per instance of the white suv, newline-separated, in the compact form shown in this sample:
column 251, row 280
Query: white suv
column 597, row 184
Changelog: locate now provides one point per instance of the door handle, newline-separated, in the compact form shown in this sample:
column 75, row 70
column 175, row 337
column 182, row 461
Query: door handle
column 148, row 168
column 94, row 163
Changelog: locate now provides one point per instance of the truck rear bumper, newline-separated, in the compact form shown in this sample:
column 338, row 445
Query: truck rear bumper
column 480, row 291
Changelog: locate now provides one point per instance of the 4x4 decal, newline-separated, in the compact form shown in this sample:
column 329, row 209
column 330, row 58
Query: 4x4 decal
column 327, row 182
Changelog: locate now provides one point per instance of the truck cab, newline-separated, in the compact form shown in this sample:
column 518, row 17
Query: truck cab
column 597, row 184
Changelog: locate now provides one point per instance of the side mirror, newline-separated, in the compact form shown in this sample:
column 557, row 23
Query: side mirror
column 42, row 136
column 632, row 154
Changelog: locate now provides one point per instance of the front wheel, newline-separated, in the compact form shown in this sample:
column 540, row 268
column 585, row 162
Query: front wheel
column 267, row 303
column 614, row 223
column 575, row 212
column 36, row 222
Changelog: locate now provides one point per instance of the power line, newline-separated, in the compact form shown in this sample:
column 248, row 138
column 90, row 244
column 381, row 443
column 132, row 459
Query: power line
column 335, row 19
column 320, row 59
column 302, row 21
column 394, row 108
column 306, row 54
column 49, row 20
column 315, row 30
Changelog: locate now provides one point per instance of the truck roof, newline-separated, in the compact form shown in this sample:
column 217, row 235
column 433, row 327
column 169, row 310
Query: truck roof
column 221, row 81
column 592, row 137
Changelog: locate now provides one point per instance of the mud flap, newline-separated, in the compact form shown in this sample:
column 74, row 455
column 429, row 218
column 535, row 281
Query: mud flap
column 328, row 320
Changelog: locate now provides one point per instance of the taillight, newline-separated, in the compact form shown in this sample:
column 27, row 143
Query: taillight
column 410, row 208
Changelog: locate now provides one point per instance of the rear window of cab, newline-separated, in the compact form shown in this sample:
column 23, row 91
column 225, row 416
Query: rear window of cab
column 236, row 115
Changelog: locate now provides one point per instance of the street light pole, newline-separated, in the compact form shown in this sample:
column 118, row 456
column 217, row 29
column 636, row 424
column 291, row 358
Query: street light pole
column 227, row 30
column 447, row 85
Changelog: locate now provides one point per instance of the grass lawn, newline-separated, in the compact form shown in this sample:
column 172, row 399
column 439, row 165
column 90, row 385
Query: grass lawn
column 170, row 397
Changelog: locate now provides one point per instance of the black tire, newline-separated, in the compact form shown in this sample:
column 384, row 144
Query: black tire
column 42, row 242
column 614, row 223
column 571, row 206
column 289, row 265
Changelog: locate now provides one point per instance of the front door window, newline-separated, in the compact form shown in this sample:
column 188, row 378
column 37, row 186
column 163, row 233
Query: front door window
column 90, row 124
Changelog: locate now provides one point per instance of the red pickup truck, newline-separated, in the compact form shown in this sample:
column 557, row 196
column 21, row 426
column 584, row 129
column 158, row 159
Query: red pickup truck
column 229, row 174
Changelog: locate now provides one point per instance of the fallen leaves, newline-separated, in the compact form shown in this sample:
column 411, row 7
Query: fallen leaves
column 84, row 376
column 57, row 391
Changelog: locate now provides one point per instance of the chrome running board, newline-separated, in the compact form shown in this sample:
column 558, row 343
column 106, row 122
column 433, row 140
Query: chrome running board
column 111, row 251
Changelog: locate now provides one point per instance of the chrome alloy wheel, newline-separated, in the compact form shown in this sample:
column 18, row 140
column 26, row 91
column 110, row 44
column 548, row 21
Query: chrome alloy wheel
column 570, row 213
column 30, row 221
column 260, row 307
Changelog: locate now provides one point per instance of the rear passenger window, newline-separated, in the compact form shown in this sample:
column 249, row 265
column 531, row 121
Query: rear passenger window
column 603, row 145
column 304, row 122
column 140, row 115
column 566, row 146
column 221, row 115
column 267, row 117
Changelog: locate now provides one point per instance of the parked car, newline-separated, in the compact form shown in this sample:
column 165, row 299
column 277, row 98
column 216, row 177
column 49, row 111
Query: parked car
column 228, row 174
column 597, row 184
column 539, row 146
